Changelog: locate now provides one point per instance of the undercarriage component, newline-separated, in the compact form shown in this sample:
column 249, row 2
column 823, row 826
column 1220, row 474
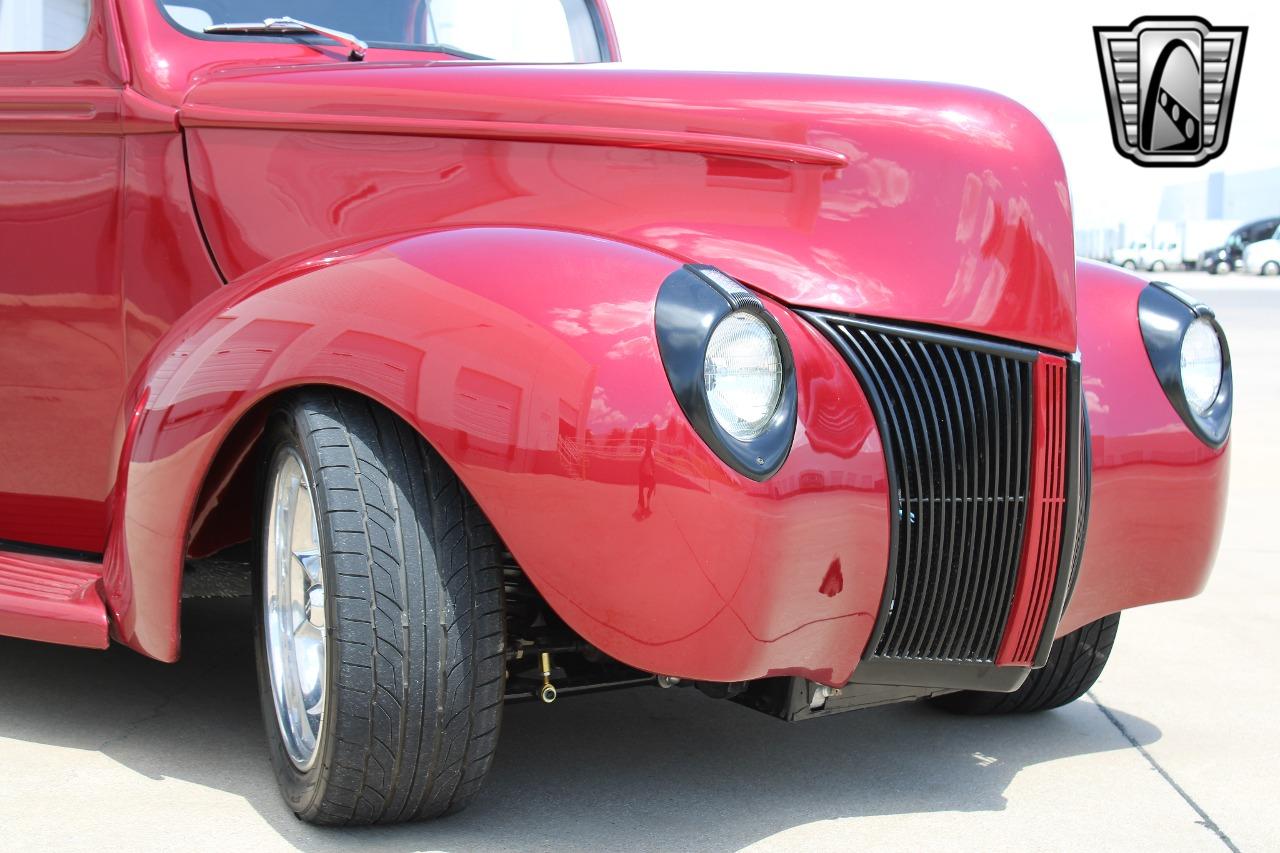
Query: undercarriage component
column 793, row 699
column 545, row 658
column 548, row 692
column 722, row 689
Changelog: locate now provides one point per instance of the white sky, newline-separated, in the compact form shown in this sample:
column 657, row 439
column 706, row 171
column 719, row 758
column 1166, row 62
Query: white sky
column 1040, row 53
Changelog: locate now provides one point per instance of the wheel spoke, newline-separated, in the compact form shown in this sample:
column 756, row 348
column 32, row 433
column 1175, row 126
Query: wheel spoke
column 308, row 634
column 309, row 562
column 293, row 598
column 309, row 652
column 315, row 606
column 306, row 538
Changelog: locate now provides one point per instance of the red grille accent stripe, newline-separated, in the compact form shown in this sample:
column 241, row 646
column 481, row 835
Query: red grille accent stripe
column 1042, row 541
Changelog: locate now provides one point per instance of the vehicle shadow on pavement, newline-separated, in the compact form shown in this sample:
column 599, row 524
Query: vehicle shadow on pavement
column 641, row 769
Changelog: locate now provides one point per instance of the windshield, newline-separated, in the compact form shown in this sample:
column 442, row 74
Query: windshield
column 506, row 30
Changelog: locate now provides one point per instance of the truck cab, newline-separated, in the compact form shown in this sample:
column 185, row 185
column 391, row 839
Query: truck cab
column 1134, row 256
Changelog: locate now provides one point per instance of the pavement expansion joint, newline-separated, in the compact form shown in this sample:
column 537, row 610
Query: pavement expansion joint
column 1205, row 821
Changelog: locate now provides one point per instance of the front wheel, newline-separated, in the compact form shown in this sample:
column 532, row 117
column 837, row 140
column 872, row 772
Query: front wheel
column 379, row 618
column 1075, row 662
column 1271, row 268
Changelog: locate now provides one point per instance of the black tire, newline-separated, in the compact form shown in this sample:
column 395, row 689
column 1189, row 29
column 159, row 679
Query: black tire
column 1271, row 268
column 1075, row 662
column 1130, row 265
column 1158, row 266
column 416, row 670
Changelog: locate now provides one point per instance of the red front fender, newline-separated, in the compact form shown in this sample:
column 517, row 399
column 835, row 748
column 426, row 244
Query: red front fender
column 527, row 359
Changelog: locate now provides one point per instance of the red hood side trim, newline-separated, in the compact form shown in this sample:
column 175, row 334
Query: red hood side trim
column 573, row 134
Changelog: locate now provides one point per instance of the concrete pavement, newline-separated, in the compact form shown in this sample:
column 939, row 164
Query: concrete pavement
column 1175, row 749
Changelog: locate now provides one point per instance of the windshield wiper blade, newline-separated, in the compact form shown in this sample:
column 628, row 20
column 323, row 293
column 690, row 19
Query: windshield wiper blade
column 288, row 26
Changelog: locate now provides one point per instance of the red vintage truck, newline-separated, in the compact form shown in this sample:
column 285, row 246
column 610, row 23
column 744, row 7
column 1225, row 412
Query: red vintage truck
column 526, row 374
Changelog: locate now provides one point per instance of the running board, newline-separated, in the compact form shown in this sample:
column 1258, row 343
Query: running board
column 52, row 600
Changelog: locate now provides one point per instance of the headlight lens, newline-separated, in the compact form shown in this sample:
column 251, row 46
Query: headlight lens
column 1201, row 365
column 743, row 375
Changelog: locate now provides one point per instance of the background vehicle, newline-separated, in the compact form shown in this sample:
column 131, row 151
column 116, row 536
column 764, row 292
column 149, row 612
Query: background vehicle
column 1197, row 237
column 1217, row 260
column 501, row 421
column 1164, row 256
column 1180, row 244
column 1230, row 255
column 1263, row 257
column 1133, row 256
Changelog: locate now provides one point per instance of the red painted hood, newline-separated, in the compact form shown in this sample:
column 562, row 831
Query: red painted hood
column 911, row 201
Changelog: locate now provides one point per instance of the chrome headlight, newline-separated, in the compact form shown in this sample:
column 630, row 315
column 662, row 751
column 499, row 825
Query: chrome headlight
column 1189, row 354
column 1201, row 362
column 730, row 367
column 743, row 375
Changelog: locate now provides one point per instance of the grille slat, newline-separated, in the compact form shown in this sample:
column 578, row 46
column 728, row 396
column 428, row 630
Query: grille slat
column 972, row 503
column 906, row 587
column 976, row 579
column 894, row 448
column 958, row 639
column 979, row 582
column 964, row 509
column 965, row 645
column 1009, row 533
column 957, row 432
column 948, row 511
column 969, row 470
column 930, row 514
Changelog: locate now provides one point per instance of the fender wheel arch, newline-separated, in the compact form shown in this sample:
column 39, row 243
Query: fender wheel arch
column 220, row 517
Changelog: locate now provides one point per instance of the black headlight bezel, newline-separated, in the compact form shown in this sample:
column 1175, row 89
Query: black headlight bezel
column 691, row 303
column 1164, row 315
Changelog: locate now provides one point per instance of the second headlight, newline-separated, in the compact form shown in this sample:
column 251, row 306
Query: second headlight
column 1190, row 357
column 1201, row 364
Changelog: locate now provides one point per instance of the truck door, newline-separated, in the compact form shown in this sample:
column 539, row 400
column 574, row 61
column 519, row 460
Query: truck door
column 61, row 362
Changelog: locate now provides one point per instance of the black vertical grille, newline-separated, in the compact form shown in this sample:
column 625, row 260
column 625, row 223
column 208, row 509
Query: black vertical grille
column 957, row 427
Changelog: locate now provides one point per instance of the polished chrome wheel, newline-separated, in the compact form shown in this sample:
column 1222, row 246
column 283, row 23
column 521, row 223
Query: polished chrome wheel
column 293, row 604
